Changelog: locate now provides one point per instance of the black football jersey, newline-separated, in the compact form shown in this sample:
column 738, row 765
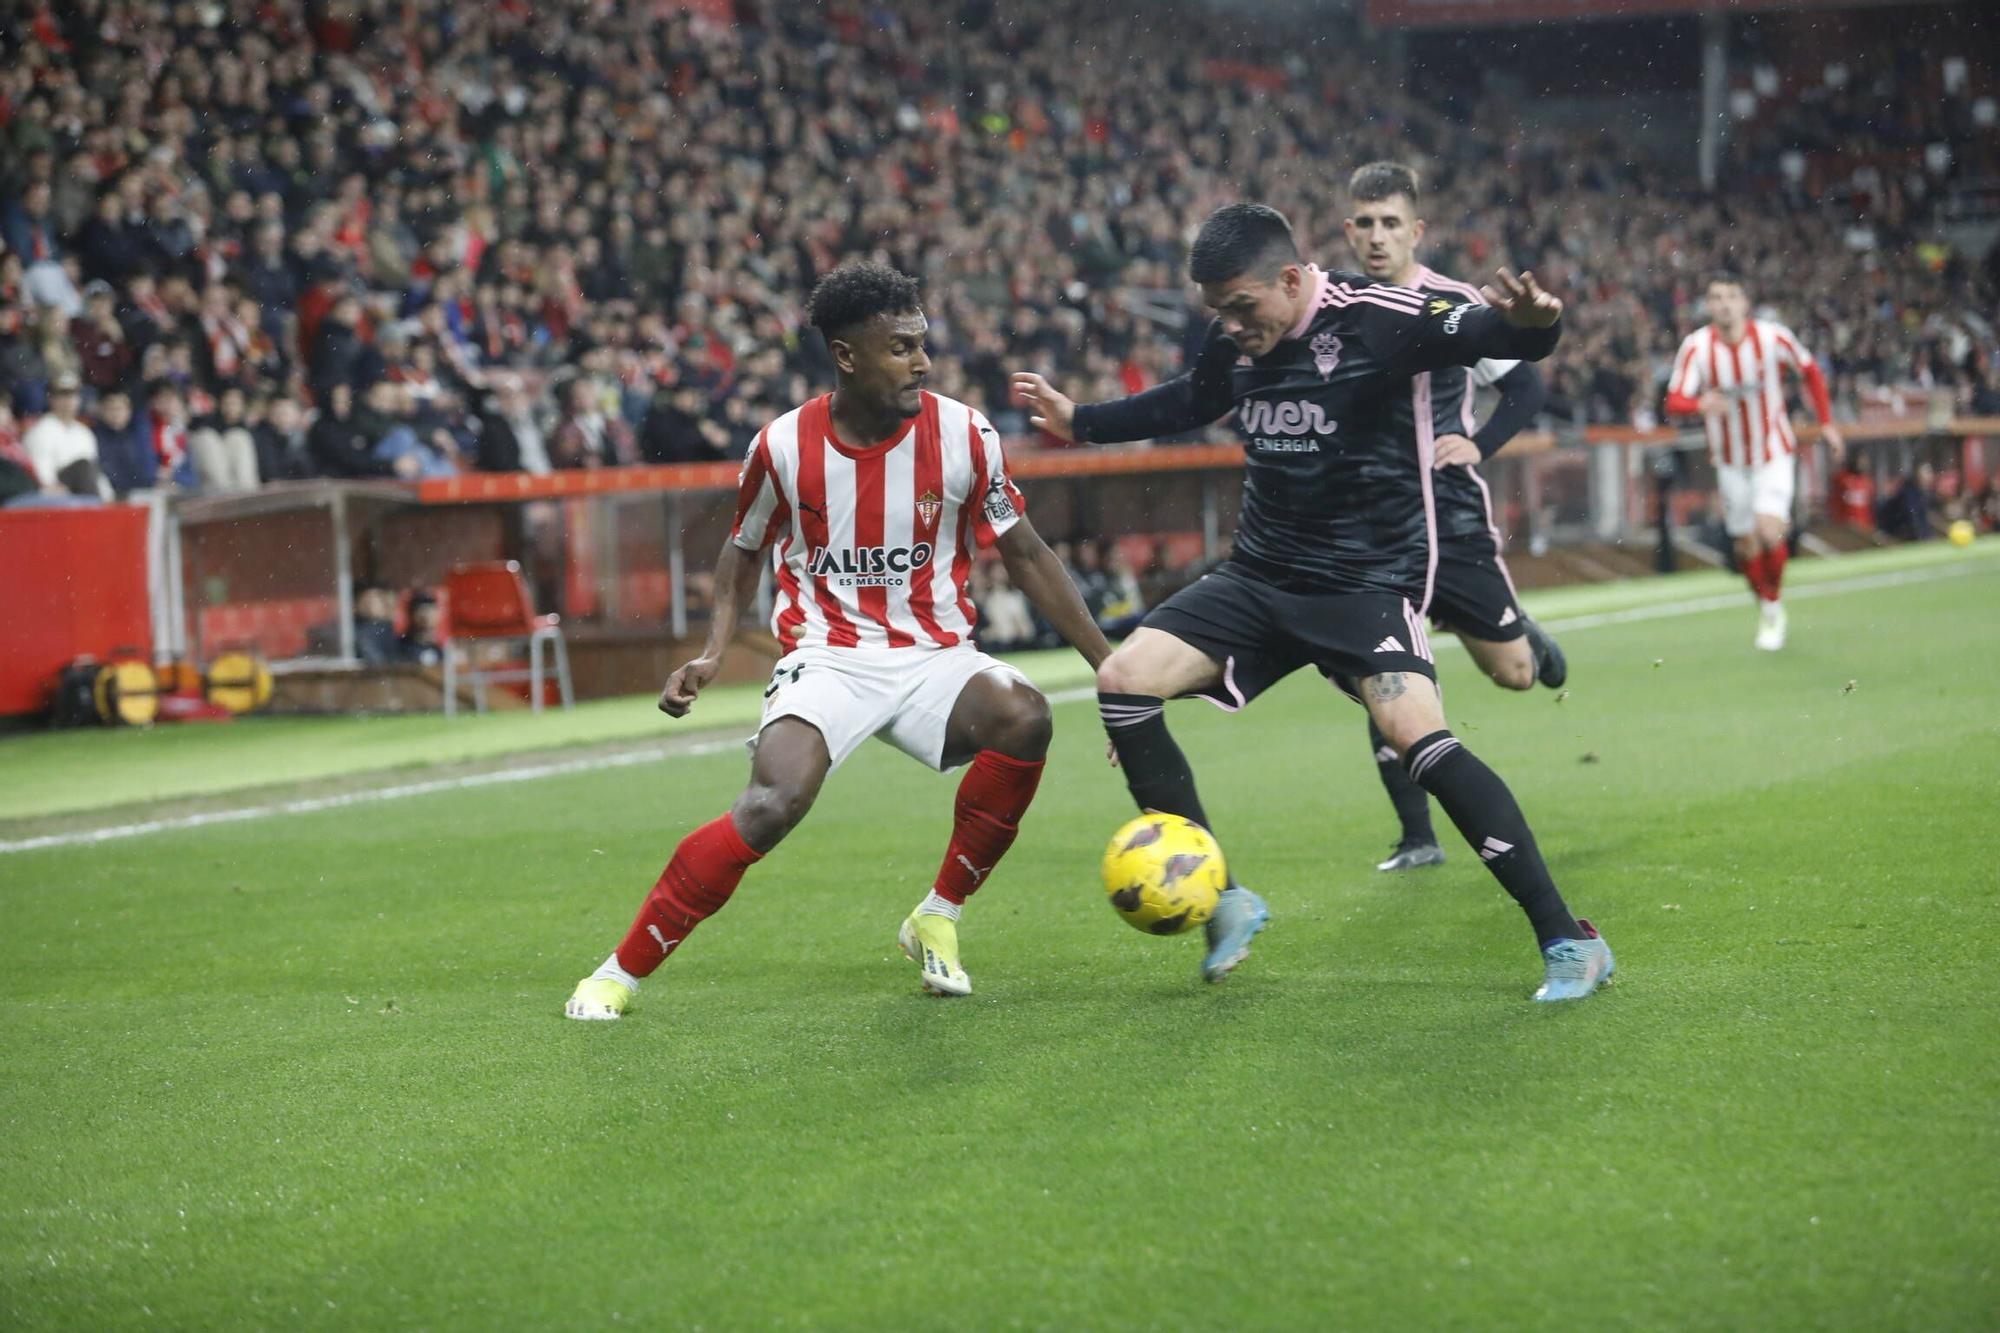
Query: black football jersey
column 1339, row 493
column 1463, row 502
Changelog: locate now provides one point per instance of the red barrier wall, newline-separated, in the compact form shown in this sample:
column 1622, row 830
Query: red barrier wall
column 72, row 581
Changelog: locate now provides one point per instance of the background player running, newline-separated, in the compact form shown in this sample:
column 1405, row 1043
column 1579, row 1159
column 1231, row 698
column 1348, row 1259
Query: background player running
column 1730, row 372
column 1474, row 595
column 1334, row 548
column 875, row 497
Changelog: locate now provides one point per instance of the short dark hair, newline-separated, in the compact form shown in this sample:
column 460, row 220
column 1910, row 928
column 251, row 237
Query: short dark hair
column 857, row 292
column 1378, row 180
column 1239, row 239
column 1728, row 277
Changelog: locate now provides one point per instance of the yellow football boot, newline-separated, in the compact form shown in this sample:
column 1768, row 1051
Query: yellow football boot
column 599, row 998
column 931, row 942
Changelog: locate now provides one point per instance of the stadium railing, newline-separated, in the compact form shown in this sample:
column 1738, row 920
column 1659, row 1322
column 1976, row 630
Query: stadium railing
column 276, row 569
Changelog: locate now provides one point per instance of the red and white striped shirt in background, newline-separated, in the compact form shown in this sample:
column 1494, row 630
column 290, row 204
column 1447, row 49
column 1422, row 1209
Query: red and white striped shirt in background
column 1756, row 428
column 874, row 544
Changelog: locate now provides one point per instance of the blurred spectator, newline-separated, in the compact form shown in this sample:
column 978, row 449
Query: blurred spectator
column 166, row 426
column 386, row 418
column 677, row 428
column 1092, row 581
column 420, row 642
column 1006, row 619
column 585, row 437
column 224, row 449
column 1986, row 506
column 510, row 439
column 283, row 444
column 125, row 445
column 341, row 352
column 106, row 356
column 376, row 642
column 1124, row 606
column 61, row 448
column 342, row 443
column 1905, row 513
column 1163, row 575
column 17, row 470
column 1850, row 496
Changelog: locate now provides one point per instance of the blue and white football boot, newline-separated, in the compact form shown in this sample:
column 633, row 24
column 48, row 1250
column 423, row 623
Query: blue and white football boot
column 1573, row 969
column 1239, row 915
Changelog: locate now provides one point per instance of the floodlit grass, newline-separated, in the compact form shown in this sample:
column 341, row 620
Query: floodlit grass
column 310, row 1071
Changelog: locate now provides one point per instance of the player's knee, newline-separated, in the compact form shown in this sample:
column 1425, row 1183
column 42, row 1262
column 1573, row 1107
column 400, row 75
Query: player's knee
column 1118, row 674
column 1515, row 673
column 766, row 812
column 1025, row 725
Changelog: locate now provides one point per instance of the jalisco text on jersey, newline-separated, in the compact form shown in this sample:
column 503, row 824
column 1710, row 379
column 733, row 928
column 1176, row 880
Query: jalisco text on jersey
column 868, row 566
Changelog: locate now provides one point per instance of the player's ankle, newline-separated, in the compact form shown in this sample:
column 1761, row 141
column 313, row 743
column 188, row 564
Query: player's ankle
column 936, row 904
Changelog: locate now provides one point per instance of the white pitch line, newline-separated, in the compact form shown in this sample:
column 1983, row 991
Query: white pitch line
column 312, row 805
column 1723, row 601
column 627, row 759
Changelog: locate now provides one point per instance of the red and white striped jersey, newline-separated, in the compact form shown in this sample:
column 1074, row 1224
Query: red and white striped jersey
column 1757, row 427
column 873, row 545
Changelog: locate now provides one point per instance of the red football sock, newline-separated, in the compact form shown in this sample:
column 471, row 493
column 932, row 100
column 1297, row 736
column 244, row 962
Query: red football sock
column 705, row 870
column 991, row 800
column 1774, row 570
column 1753, row 570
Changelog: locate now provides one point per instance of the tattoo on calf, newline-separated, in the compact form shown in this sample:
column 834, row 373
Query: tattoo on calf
column 1389, row 685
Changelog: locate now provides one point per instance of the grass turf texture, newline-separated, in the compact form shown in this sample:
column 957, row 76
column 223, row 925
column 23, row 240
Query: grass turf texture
column 310, row 1071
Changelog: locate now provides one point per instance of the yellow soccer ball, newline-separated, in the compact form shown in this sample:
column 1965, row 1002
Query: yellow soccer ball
column 1163, row 874
column 1961, row 533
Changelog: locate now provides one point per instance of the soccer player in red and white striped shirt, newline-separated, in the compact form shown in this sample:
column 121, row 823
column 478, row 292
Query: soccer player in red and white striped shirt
column 873, row 500
column 1730, row 372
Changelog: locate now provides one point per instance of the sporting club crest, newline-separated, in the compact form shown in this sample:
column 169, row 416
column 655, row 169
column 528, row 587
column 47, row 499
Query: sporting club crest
column 928, row 509
column 1326, row 353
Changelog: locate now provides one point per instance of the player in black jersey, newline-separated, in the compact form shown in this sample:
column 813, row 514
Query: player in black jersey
column 1335, row 550
column 1474, row 595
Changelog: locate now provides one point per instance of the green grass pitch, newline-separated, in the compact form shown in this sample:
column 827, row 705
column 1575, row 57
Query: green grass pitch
column 309, row 1071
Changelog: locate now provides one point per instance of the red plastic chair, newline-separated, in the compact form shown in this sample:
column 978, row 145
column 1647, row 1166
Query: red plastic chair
column 488, row 603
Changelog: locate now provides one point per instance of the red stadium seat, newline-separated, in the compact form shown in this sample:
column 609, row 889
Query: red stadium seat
column 488, row 603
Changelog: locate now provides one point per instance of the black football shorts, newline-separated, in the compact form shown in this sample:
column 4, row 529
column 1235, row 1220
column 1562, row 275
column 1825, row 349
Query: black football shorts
column 1473, row 594
column 1261, row 634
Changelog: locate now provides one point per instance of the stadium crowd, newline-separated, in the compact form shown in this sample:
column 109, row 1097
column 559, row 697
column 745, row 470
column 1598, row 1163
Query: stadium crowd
column 250, row 240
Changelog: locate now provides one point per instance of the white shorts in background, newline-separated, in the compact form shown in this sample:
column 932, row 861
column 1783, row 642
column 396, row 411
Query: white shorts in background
column 903, row 695
column 1750, row 491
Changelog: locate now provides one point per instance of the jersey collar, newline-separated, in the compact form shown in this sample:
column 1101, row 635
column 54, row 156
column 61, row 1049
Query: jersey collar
column 1312, row 306
column 866, row 450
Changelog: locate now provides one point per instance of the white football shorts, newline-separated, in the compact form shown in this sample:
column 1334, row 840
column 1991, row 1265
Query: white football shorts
column 1765, row 488
column 903, row 695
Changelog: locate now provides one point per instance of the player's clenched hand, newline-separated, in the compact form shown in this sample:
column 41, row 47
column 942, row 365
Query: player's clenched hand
column 1713, row 404
column 1454, row 449
column 685, row 684
column 1521, row 300
column 1048, row 408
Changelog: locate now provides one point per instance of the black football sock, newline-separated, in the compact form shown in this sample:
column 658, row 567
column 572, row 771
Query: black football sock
column 1156, row 771
column 1486, row 813
column 1413, row 806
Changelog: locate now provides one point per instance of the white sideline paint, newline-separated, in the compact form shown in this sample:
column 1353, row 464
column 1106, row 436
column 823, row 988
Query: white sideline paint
column 1077, row 694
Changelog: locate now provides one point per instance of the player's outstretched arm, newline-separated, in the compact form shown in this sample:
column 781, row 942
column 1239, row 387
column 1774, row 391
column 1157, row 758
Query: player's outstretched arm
column 736, row 575
column 1521, row 322
column 1184, row 403
column 1047, row 585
